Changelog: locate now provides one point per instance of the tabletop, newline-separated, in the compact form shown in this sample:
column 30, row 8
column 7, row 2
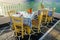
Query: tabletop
column 24, row 14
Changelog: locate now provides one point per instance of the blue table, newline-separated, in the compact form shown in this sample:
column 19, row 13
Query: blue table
column 27, row 17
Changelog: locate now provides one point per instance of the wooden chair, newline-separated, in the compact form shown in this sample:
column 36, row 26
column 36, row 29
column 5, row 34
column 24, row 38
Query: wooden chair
column 27, row 29
column 45, row 16
column 20, row 27
column 9, row 14
column 50, row 15
column 42, row 6
column 37, row 23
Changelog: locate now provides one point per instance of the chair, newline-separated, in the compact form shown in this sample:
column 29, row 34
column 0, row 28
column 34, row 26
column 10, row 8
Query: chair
column 50, row 15
column 37, row 23
column 45, row 16
column 27, row 29
column 49, row 19
column 20, row 27
column 42, row 6
column 9, row 14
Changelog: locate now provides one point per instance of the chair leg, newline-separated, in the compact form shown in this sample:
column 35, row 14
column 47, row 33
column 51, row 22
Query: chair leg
column 38, row 29
column 13, row 27
column 29, row 37
column 28, row 30
column 22, row 32
column 15, row 33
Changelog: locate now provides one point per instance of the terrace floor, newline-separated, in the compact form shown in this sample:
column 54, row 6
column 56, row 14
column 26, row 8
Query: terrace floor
column 53, row 35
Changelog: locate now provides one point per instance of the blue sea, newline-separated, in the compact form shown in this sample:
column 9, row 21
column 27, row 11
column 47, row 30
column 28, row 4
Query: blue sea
column 47, row 3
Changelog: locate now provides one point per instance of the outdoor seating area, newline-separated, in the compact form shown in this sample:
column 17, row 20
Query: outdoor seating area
column 28, row 20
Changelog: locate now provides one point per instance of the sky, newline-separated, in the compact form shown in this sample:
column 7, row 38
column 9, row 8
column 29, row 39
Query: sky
column 56, row 0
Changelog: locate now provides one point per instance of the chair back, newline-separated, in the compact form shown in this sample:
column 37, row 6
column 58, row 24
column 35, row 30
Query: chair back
column 39, row 20
column 45, row 15
column 50, row 15
column 18, row 21
column 40, row 16
column 18, row 25
column 45, row 12
column 11, row 12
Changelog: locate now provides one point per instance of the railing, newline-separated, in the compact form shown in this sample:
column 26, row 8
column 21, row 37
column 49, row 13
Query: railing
column 5, row 7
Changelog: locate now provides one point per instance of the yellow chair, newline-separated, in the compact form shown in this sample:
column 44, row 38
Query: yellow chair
column 42, row 6
column 50, row 16
column 45, row 16
column 10, row 13
column 18, row 25
column 37, row 23
column 27, row 29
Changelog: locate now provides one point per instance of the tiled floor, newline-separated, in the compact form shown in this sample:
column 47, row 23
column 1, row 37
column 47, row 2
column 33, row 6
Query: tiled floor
column 54, row 34
column 6, row 35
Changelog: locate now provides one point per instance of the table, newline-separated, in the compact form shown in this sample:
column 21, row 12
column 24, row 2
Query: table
column 27, row 17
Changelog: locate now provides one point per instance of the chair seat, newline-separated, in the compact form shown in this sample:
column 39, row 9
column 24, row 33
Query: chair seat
column 49, row 16
column 24, row 25
column 35, row 22
column 19, row 28
column 44, row 15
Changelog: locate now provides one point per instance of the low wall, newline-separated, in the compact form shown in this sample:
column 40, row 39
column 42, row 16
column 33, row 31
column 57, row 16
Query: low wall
column 4, row 20
column 57, row 15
